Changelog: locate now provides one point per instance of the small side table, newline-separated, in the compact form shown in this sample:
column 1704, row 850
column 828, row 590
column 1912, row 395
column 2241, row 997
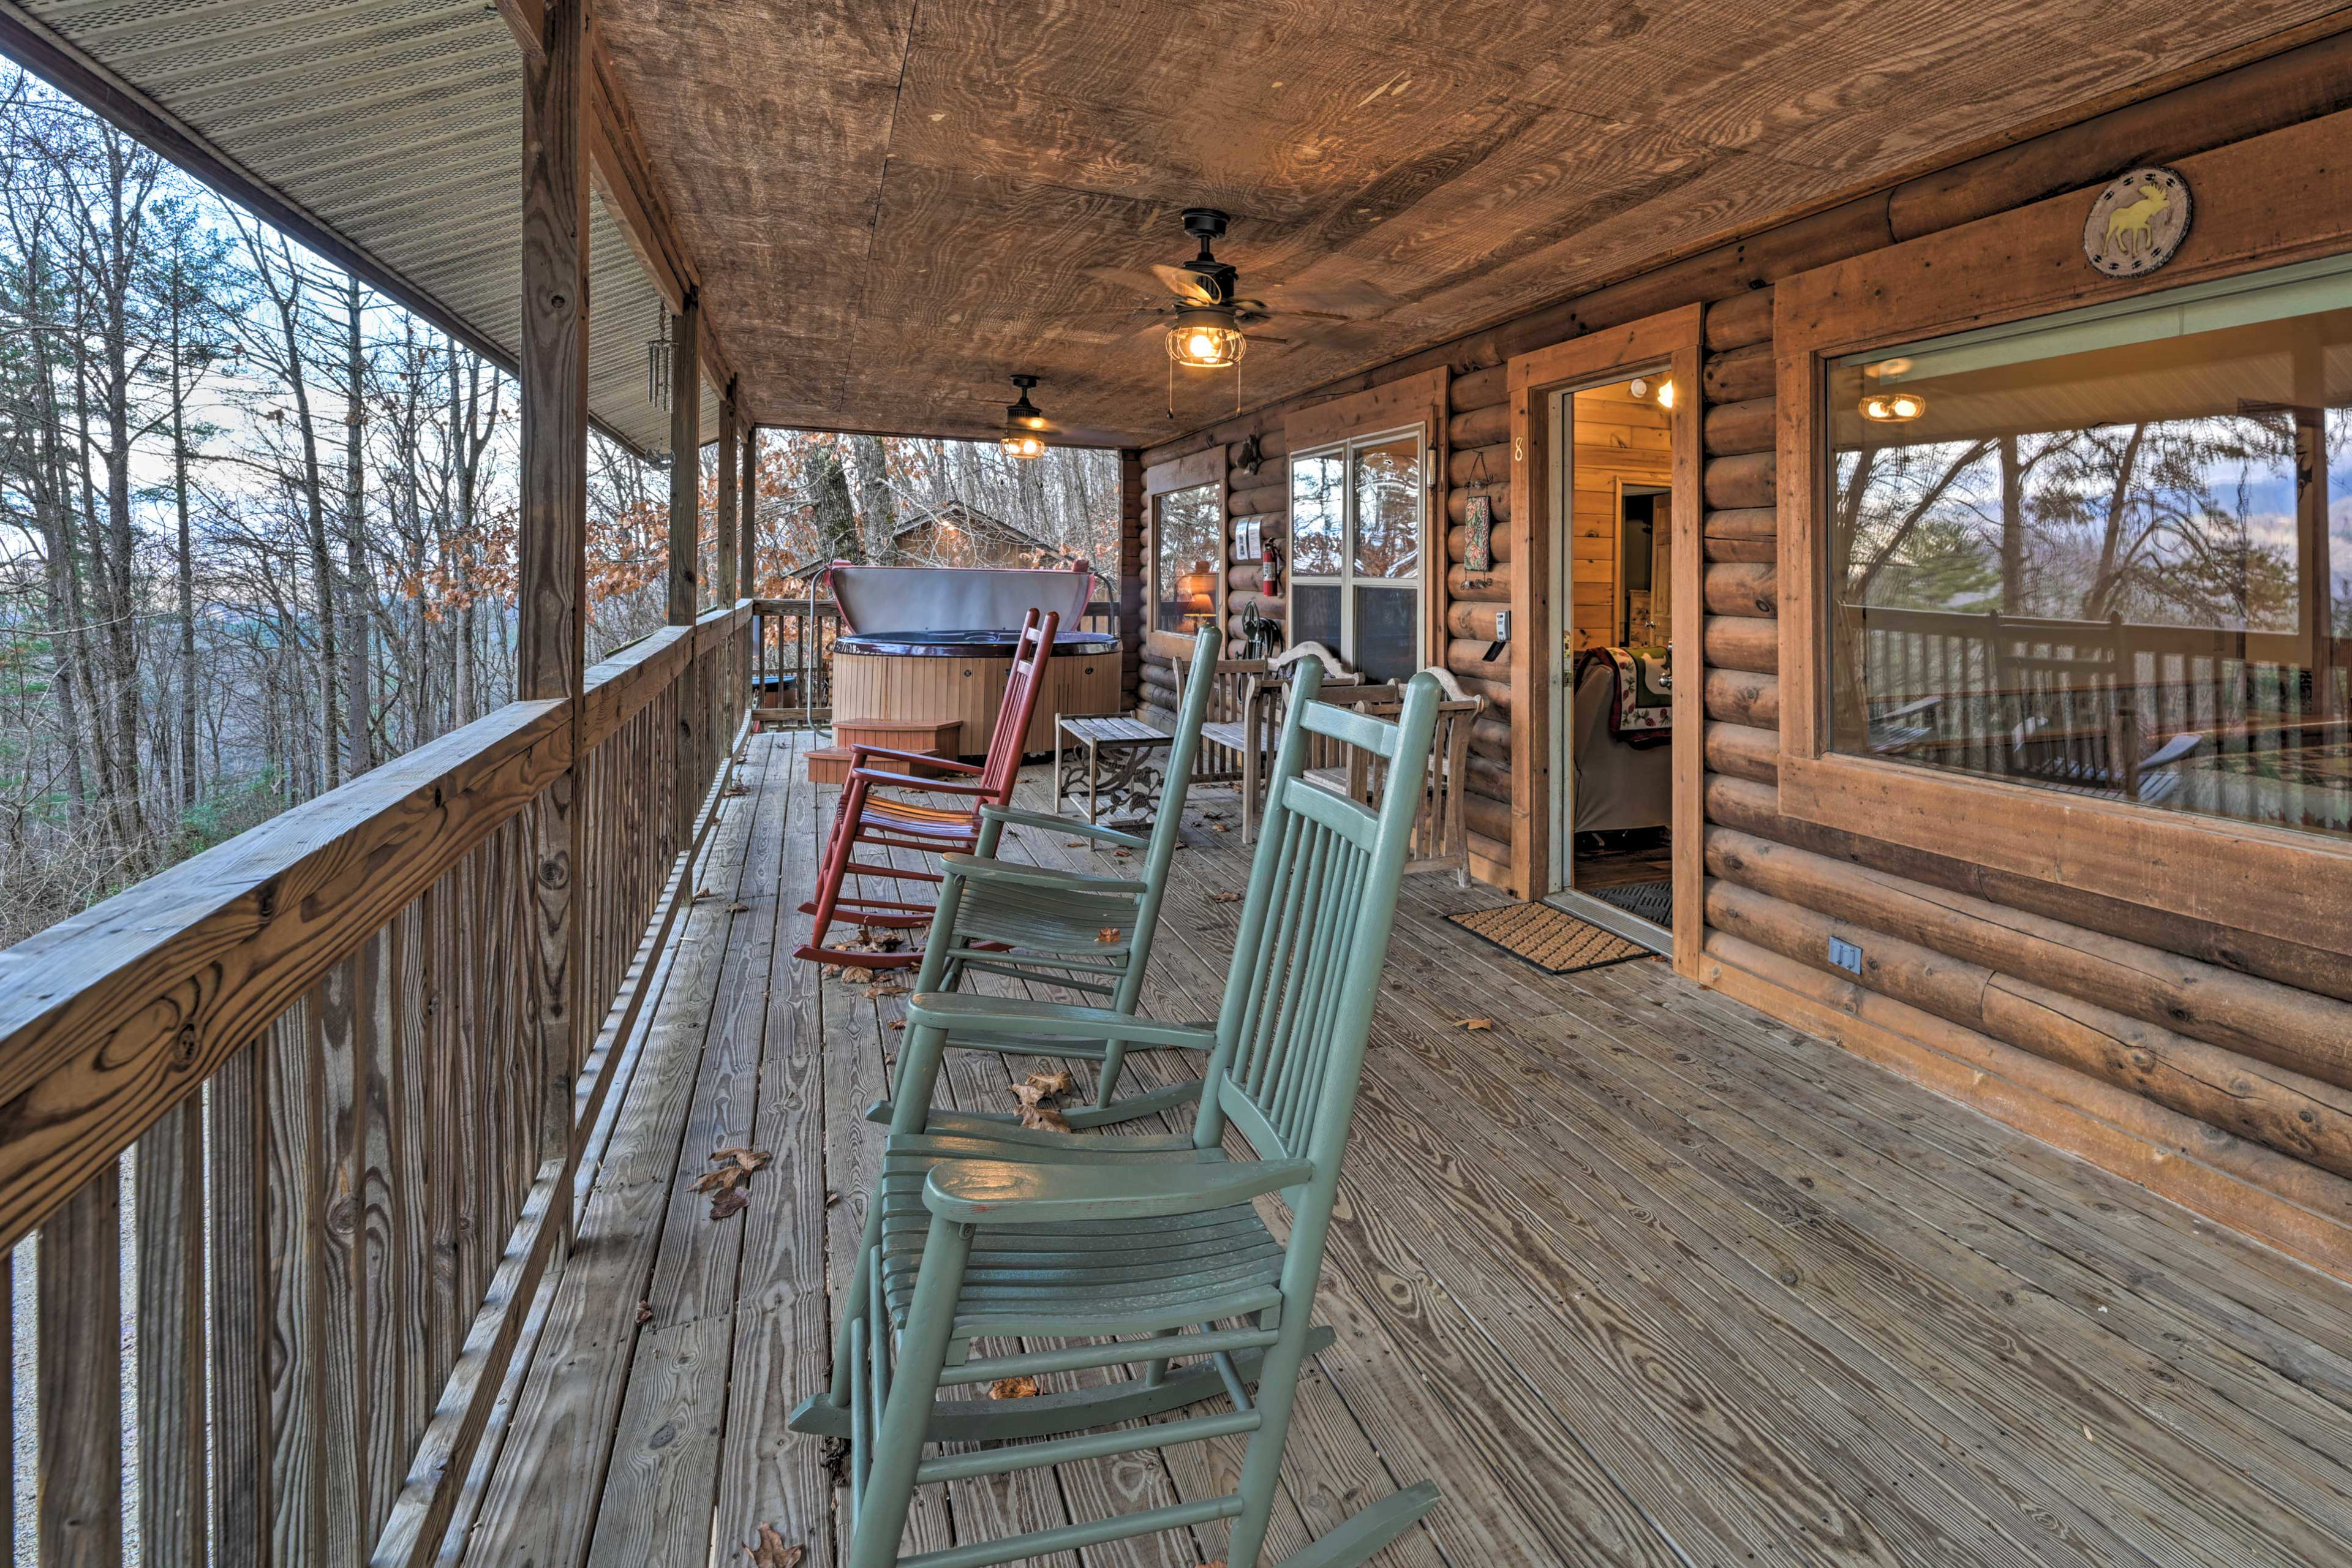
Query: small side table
column 1132, row 749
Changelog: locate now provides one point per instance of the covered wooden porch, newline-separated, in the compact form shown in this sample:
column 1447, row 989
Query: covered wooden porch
column 1636, row 1274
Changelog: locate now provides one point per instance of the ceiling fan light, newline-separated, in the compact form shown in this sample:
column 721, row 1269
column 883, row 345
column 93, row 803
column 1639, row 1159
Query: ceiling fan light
column 1893, row 407
column 1205, row 338
column 1022, row 420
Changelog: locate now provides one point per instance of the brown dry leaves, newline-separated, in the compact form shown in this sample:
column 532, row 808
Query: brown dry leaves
column 1225, row 897
column 1022, row 1387
column 731, row 1167
column 770, row 1551
column 738, row 907
column 1474, row 1023
column 1110, row 933
column 732, row 791
column 1041, row 1095
column 1219, row 828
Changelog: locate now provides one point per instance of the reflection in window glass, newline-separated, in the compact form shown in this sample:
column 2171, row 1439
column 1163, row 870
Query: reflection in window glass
column 1318, row 518
column 2111, row 554
column 1387, row 509
column 1184, row 560
column 1356, row 518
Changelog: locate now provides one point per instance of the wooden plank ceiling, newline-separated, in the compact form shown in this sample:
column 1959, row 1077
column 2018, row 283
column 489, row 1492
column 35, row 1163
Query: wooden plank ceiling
column 894, row 207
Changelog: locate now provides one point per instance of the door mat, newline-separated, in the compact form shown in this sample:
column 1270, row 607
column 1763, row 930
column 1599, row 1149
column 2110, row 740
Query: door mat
column 1552, row 939
column 1653, row 901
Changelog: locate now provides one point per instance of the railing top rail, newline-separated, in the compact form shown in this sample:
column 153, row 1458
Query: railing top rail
column 116, row 1013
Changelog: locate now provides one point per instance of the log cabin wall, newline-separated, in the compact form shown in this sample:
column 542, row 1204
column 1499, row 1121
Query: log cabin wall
column 2212, row 1063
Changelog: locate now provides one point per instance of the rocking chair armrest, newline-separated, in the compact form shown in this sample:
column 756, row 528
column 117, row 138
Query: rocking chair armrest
column 980, row 868
column 890, row 780
column 1004, row 1192
column 1014, row 817
column 966, row 1013
column 861, row 750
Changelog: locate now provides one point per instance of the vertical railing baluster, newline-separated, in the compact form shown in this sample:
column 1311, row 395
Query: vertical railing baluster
column 80, row 1378
column 169, row 1193
column 236, row 1175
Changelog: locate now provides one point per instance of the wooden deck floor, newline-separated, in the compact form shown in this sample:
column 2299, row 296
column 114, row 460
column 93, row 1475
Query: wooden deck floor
column 1637, row 1276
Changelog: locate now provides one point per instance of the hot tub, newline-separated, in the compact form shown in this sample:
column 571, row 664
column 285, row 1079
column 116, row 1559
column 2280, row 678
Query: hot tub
column 936, row 643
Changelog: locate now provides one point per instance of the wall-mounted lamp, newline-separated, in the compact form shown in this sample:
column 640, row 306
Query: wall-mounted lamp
column 1663, row 389
column 1023, row 424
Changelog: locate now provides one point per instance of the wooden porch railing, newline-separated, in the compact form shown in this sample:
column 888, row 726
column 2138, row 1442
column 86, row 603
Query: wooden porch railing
column 312, row 1060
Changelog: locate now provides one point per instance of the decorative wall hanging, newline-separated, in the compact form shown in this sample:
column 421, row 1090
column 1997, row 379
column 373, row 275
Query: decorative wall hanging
column 1478, row 526
column 2138, row 222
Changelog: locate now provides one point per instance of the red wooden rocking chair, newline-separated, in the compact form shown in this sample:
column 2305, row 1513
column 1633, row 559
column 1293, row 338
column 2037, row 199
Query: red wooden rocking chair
column 888, row 821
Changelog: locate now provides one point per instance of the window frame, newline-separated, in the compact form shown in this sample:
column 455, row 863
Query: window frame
column 2015, row 267
column 1189, row 472
column 1348, row 447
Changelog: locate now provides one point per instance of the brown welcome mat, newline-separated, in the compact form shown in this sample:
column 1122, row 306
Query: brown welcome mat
column 1552, row 939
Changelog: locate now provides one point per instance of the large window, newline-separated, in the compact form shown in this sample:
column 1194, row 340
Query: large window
column 1186, row 528
column 1355, row 524
column 2108, row 552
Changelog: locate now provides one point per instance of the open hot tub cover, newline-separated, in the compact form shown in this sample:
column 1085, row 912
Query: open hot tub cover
column 901, row 599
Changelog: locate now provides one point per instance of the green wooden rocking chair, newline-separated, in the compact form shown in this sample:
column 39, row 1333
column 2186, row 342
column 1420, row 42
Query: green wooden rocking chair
column 1019, row 1233
column 1038, row 923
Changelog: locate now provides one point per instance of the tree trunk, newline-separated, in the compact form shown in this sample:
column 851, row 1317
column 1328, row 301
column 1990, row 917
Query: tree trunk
column 356, row 597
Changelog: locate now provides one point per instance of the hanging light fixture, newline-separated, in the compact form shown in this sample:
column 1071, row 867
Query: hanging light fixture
column 1205, row 338
column 1023, row 424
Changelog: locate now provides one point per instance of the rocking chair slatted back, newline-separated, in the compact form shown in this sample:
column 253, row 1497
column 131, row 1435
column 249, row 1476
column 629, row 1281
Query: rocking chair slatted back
column 1315, row 929
column 1027, row 684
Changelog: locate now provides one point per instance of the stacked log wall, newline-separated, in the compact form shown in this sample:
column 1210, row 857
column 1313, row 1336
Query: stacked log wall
column 2212, row 1064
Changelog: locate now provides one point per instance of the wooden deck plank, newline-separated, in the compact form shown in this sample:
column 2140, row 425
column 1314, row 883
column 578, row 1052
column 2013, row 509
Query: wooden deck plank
column 655, row 1510
column 1637, row 1275
column 543, row 1497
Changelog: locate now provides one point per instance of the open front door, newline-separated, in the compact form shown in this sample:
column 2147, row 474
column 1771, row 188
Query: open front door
column 1605, row 470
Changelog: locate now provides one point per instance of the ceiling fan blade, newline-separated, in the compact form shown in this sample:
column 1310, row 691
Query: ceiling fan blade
column 1186, row 284
column 1142, row 282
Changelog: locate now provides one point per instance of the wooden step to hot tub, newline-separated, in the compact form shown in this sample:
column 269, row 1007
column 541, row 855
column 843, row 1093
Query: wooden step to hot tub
column 928, row 737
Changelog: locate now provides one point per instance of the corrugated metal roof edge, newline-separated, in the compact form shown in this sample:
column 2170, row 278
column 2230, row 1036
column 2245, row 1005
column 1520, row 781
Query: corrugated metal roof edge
column 50, row 58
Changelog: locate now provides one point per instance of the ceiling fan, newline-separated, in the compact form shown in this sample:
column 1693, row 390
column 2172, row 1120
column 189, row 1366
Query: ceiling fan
column 1208, row 312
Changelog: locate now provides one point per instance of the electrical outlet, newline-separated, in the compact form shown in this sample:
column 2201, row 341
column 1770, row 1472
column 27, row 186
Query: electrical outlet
column 1845, row 955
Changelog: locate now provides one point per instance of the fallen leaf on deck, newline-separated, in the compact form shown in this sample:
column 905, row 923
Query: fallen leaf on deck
column 748, row 1159
column 738, row 907
column 1225, row 897
column 1219, row 828
column 725, row 1179
column 1022, row 1387
column 770, row 1551
column 1045, row 1119
column 831, row 1199
column 702, row 893
column 732, row 791
column 729, row 1203
column 1213, row 816
column 898, row 1023
column 1109, row 933
column 886, row 988
column 644, row 1311
column 1474, row 1023
column 1057, row 1083
column 1074, row 844
column 1122, row 854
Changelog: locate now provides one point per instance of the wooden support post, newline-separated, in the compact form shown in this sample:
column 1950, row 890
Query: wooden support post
column 748, row 574
column 730, row 564
column 686, row 548
column 552, row 537
column 686, row 463
column 730, row 476
column 1130, row 577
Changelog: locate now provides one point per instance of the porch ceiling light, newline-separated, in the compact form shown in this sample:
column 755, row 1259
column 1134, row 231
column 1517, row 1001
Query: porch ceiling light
column 1205, row 337
column 1894, row 408
column 1023, row 424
